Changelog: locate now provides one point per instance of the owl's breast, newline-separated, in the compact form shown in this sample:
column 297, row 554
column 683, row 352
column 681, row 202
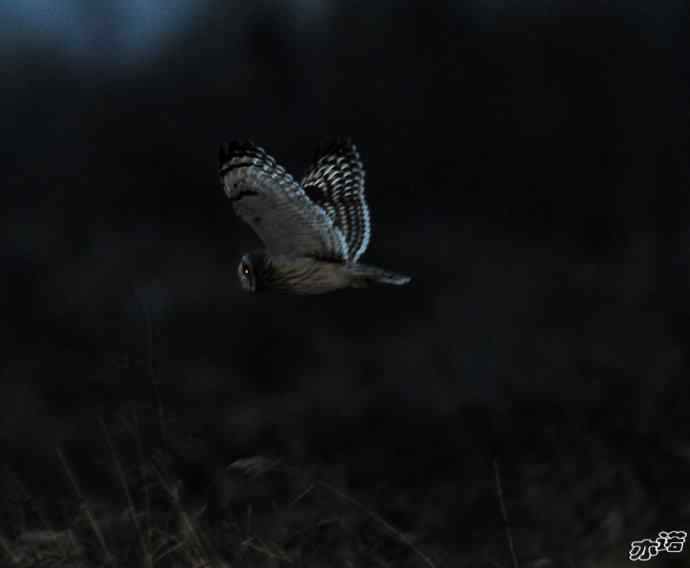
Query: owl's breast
column 304, row 275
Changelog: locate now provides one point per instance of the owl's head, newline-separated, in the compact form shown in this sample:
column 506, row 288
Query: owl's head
column 253, row 271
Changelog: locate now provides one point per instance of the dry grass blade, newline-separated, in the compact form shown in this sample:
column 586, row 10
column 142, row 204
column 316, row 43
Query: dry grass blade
column 26, row 501
column 5, row 546
column 84, row 505
column 275, row 552
column 45, row 537
column 254, row 466
column 190, row 535
column 301, row 496
column 379, row 519
column 155, row 385
column 504, row 514
column 136, row 432
column 131, row 510
column 167, row 552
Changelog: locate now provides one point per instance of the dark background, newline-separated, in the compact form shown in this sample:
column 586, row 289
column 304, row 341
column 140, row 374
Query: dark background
column 527, row 163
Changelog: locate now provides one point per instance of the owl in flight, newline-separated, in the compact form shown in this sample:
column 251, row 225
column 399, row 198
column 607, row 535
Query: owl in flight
column 314, row 231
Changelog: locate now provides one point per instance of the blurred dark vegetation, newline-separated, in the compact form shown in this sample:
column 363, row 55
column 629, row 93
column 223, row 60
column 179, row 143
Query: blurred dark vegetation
column 527, row 163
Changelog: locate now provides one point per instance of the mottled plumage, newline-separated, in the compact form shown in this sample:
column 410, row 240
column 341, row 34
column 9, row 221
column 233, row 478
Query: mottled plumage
column 335, row 181
column 314, row 232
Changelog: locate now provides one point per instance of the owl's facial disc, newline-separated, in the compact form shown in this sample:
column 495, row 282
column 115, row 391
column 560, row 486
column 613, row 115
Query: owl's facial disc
column 245, row 271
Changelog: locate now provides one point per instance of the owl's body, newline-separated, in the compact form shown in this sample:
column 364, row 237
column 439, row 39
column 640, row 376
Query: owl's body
column 314, row 232
column 299, row 275
column 304, row 275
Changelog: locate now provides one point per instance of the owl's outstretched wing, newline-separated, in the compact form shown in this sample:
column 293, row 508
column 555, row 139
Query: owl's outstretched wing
column 275, row 206
column 335, row 181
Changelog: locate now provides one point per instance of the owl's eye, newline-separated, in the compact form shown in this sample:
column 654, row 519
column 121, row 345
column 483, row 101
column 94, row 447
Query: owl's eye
column 245, row 269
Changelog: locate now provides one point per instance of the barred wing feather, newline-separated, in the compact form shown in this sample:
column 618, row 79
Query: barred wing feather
column 335, row 181
column 276, row 207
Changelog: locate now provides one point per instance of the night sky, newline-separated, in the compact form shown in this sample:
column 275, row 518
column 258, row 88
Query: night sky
column 528, row 164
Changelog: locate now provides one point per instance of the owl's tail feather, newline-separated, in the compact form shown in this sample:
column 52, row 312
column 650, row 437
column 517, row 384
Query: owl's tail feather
column 363, row 276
